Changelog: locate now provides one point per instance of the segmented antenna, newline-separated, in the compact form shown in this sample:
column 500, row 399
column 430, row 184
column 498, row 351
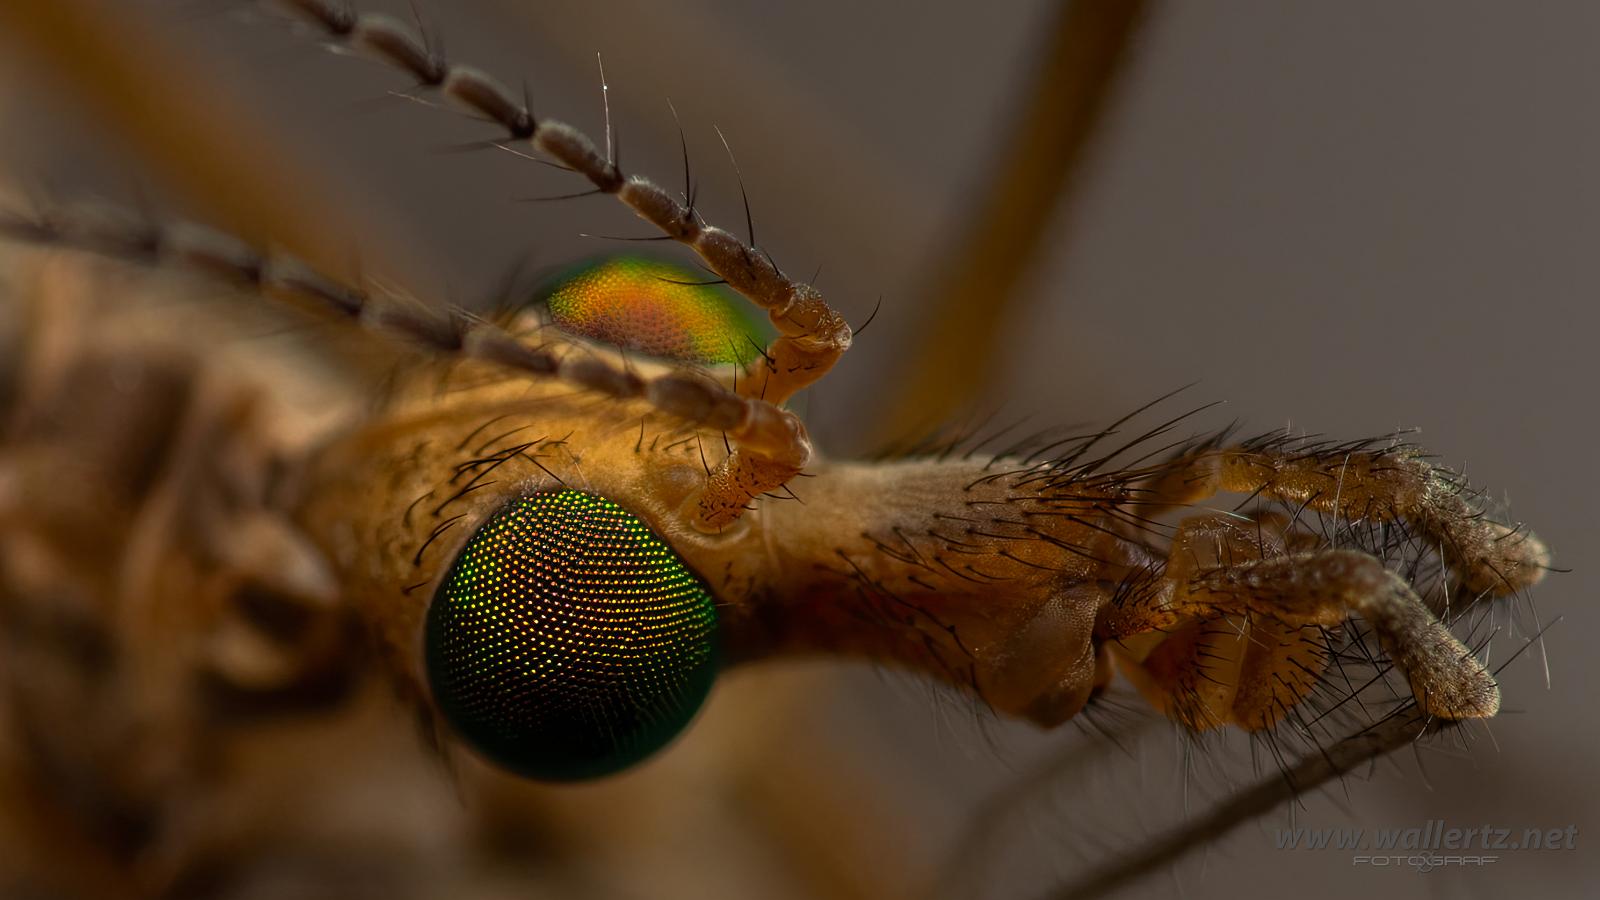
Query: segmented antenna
column 811, row 334
column 687, row 395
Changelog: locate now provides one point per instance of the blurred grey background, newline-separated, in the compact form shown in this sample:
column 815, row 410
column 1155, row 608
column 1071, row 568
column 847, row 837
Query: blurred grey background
column 1348, row 218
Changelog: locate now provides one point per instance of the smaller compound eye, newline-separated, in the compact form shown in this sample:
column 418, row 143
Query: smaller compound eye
column 567, row 640
column 655, row 308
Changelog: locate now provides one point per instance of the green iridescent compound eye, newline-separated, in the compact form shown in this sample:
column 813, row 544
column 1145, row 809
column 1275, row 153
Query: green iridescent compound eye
column 568, row 641
column 656, row 308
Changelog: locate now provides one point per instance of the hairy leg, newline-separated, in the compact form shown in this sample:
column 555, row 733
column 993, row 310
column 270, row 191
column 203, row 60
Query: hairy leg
column 1241, row 603
column 1357, row 482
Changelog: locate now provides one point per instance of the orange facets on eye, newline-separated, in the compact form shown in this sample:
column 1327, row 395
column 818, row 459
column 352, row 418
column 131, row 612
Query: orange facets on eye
column 655, row 308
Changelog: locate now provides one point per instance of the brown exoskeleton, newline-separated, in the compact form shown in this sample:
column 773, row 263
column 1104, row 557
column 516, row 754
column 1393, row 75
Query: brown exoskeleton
column 188, row 542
